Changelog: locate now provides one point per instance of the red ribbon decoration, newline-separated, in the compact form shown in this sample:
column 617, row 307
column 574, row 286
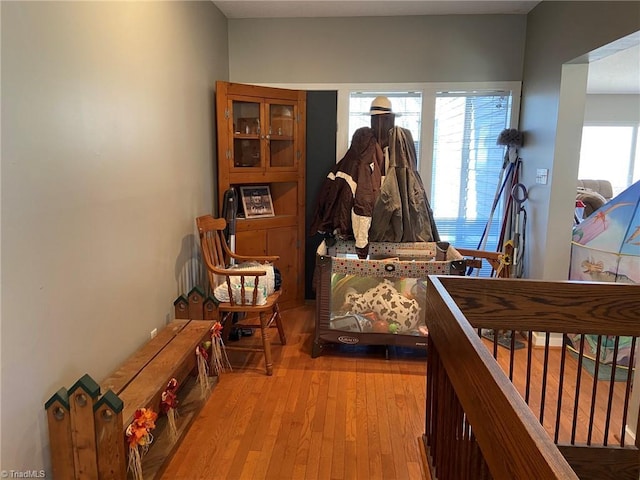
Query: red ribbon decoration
column 169, row 398
column 200, row 350
column 216, row 330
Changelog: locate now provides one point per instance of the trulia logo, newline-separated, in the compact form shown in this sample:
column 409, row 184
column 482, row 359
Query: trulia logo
column 348, row 340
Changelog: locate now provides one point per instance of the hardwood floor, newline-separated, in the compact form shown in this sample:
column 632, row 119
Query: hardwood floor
column 589, row 409
column 348, row 414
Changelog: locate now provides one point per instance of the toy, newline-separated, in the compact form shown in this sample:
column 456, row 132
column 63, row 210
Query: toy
column 389, row 306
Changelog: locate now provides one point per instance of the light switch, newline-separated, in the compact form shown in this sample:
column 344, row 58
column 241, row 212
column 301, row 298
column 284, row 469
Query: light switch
column 542, row 174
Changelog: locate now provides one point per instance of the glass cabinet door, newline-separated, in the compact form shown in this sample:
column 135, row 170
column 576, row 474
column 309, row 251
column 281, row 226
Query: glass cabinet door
column 246, row 134
column 280, row 135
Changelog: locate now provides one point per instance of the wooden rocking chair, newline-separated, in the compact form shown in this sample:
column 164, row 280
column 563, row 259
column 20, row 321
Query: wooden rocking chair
column 242, row 286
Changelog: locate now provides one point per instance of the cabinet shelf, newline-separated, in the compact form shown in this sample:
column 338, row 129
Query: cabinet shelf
column 272, row 137
column 286, row 138
column 247, row 136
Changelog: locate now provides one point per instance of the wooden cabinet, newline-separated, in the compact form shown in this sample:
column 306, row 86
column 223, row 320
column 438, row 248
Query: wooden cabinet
column 261, row 142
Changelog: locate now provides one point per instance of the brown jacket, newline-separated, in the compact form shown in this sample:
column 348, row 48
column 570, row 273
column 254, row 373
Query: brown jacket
column 345, row 201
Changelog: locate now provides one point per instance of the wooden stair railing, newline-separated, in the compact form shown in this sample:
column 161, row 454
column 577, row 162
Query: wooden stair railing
column 478, row 424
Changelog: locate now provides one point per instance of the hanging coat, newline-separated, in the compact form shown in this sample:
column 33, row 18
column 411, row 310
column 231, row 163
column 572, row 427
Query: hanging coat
column 402, row 212
column 349, row 192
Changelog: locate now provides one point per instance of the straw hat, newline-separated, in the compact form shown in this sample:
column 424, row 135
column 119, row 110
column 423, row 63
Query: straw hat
column 380, row 105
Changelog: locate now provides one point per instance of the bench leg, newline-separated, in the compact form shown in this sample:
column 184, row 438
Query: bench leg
column 264, row 330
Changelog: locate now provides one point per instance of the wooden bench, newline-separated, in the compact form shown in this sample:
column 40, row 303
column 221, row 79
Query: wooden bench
column 87, row 431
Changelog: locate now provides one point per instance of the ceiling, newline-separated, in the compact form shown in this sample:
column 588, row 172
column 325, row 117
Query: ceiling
column 368, row 8
column 617, row 73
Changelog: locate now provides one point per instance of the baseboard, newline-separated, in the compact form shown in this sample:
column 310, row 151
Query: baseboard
column 629, row 435
column 539, row 339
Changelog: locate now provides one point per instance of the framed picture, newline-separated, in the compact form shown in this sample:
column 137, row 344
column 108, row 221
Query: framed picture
column 256, row 201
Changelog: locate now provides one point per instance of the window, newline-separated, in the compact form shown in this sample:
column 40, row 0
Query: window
column 610, row 152
column 406, row 105
column 467, row 165
column 462, row 163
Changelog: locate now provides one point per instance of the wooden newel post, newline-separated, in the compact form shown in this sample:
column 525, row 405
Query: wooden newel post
column 82, row 397
column 112, row 460
column 181, row 307
column 196, row 299
column 59, row 421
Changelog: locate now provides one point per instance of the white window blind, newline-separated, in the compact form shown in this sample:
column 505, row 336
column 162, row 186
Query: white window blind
column 467, row 164
column 406, row 105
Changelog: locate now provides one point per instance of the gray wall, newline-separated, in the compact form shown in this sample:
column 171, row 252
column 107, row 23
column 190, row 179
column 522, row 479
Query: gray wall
column 107, row 157
column 458, row 49
column 376, row 49
column 557, row 33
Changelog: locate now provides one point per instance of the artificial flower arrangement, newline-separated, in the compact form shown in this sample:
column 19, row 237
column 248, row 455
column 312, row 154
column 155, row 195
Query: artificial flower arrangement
column 139, row 438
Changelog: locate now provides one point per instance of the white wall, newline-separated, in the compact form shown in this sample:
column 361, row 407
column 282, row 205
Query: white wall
column 107, row 158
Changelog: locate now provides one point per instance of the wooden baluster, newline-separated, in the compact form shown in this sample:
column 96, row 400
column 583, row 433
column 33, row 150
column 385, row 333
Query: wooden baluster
column 563, row 357
column 512, row 354
column 611, row 385
column 466, row 451
column 485, row 474
column 458, row 437
column 545, row 371
column 60, row 440
column 577, row 399
column 429, row 400
column 496, row 335
column 529, row 350
column 473, row 456
column 449, row 417
column 627, row 393
column 438, row 420
column 594, row 389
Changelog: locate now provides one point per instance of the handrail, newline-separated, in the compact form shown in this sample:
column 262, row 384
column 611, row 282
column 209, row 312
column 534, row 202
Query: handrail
column 466, row 386
column 513, row 443
column 563, row 306
column 592, row 320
